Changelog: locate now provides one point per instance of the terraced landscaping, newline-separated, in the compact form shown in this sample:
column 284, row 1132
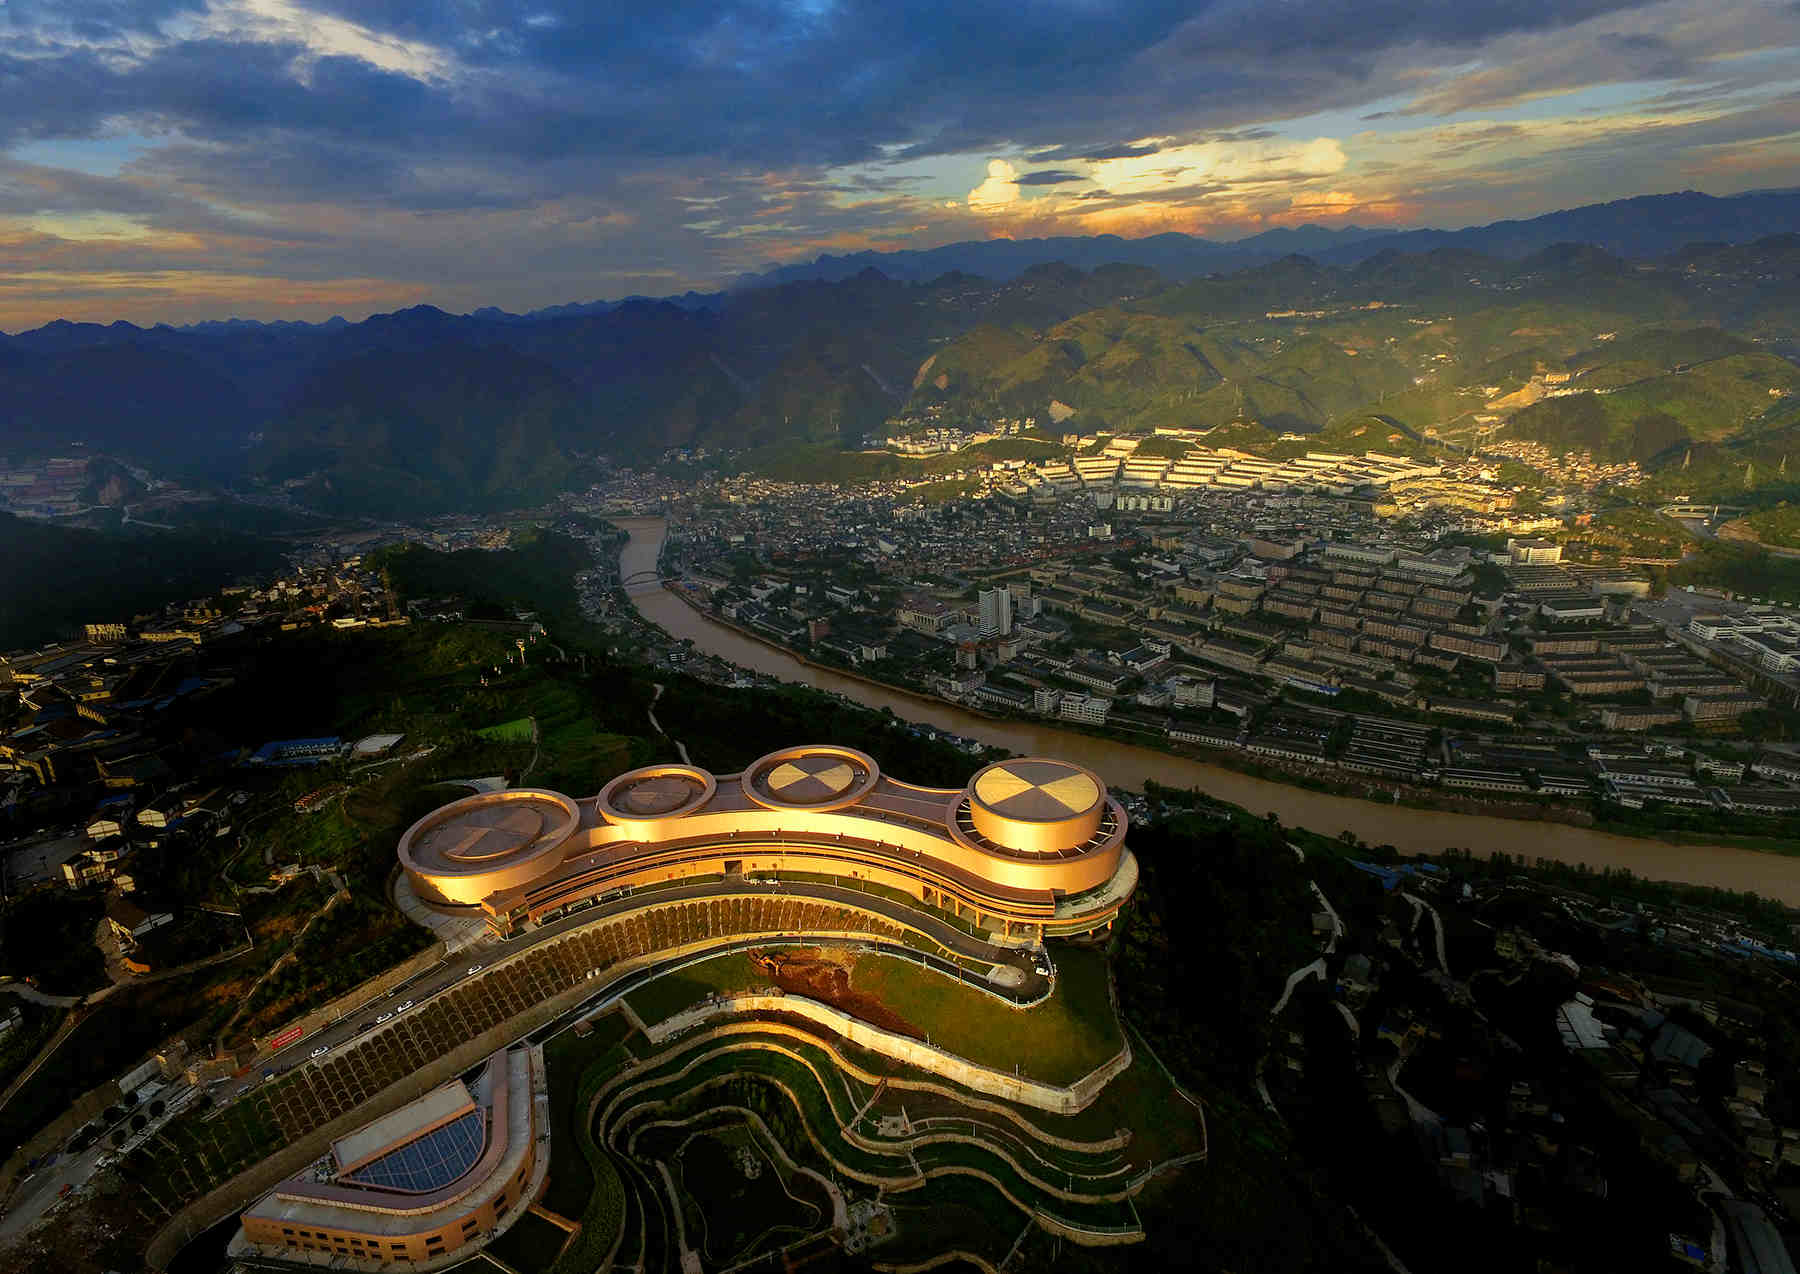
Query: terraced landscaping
column 737, row 1202
column 584, row 1186
column 1057, row 1041
column 960, row 1172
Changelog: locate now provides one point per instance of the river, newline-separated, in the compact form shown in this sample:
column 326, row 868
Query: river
column 1125, row 765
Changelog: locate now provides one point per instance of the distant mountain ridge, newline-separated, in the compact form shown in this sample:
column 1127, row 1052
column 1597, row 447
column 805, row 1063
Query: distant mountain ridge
column 1172, row 254
column 1638, row 228
column 1646, row 227
column 423, row 410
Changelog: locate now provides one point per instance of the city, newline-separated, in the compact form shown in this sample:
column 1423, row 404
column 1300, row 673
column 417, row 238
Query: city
column 1437, row 657
column 798, row 637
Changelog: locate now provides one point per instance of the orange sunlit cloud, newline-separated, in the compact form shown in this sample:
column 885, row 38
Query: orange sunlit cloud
column 409, row 152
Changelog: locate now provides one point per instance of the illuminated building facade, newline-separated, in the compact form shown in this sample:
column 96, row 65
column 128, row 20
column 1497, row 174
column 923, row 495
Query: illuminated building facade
column 415, row 1185
column 1029, row 848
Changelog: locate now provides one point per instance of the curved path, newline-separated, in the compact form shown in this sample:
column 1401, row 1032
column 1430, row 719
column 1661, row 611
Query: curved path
column 32, row 995
column 1126, row 766
column 454, row 967
column 656, row 725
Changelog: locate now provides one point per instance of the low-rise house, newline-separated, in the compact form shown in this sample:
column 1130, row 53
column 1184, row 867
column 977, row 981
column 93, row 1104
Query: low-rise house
column 130, row 921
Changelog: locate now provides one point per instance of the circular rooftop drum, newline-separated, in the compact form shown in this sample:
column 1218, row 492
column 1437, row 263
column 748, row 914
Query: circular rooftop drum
column 640, row 799
column 466, row 850
column 815, row 777
column 1035, row 805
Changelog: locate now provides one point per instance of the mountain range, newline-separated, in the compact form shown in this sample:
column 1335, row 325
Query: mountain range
column 425, row 411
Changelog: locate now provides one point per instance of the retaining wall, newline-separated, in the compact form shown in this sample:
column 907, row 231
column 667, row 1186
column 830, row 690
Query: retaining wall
column 244, row 1189
column 775, row 1026
column 355, row 997
column 59, row 1130
column 1014, row 1088
column 253, row 1183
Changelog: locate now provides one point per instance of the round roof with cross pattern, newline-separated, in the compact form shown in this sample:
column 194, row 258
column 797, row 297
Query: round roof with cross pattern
column 814, row 777
column 1036, row 804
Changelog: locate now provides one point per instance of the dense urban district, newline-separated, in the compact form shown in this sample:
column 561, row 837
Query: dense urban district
column 422, row 849
column 216, row 957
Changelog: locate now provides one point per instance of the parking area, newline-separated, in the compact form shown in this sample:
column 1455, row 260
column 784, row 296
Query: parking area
column 36, row 859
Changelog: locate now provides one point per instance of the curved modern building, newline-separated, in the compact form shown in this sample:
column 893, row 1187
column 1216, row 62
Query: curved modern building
column 1032, row 847
column 439, row 1174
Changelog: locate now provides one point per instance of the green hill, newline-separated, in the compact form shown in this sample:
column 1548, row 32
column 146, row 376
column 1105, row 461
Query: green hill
column 1414, row 349
column 1659, row 415
column 1778, row 526
column 57, row 579
column 455, row 427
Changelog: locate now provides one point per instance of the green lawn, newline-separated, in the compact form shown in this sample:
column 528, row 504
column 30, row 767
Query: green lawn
column 567, row 1061
column 583, row 1184
column 1056, row 1042
column 951, row 1212
column 517, row 730
column 672, row 992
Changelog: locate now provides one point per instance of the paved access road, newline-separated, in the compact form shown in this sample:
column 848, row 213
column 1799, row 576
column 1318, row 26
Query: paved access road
column 454, row 968
column 43, row 1191
column 40, row 858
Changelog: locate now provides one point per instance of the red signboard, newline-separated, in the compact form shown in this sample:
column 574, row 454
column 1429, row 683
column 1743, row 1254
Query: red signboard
column 285, row 1038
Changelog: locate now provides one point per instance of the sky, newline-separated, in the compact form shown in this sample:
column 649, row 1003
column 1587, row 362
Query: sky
column 180, row 160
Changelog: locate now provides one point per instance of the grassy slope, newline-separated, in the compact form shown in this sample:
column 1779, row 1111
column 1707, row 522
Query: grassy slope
column 56, row 579
column 1779, row 525
column 1057, row 1041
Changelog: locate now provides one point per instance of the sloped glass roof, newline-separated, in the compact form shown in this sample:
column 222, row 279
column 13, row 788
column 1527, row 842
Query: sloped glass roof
column 430, row 1163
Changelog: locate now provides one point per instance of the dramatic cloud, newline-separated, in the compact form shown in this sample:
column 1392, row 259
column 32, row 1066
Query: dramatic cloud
column 291, row 157
column 1000, row 190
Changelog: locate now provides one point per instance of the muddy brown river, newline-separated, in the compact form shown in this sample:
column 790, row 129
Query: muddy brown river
column 1126, row 765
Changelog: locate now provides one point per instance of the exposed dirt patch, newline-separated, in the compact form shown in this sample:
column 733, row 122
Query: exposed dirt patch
column 829, row 980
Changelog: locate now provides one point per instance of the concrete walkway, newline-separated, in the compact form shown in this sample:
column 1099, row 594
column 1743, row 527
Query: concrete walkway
column 458, row 933
column 1315, row 969
column 656, row 725
column 1418, row 1110
column 537, row 741
column 1337, row 924
column 32, row 995
column 1437, row 922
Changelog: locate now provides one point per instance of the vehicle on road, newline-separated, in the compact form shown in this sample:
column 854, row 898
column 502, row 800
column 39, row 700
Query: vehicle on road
column 382, row 1017
column 320, row 1051
column 404, row 1007
column 474, row 968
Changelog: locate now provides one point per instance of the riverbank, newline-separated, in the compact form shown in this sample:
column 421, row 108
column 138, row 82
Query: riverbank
column 1326, row 778
column 886, row 687
column 1127, row 765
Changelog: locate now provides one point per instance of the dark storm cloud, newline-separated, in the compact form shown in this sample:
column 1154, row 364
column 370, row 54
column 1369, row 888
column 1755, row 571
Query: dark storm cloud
column 581, row 140
column 750, row 81
column 1117, row 150
column 1302, row 27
